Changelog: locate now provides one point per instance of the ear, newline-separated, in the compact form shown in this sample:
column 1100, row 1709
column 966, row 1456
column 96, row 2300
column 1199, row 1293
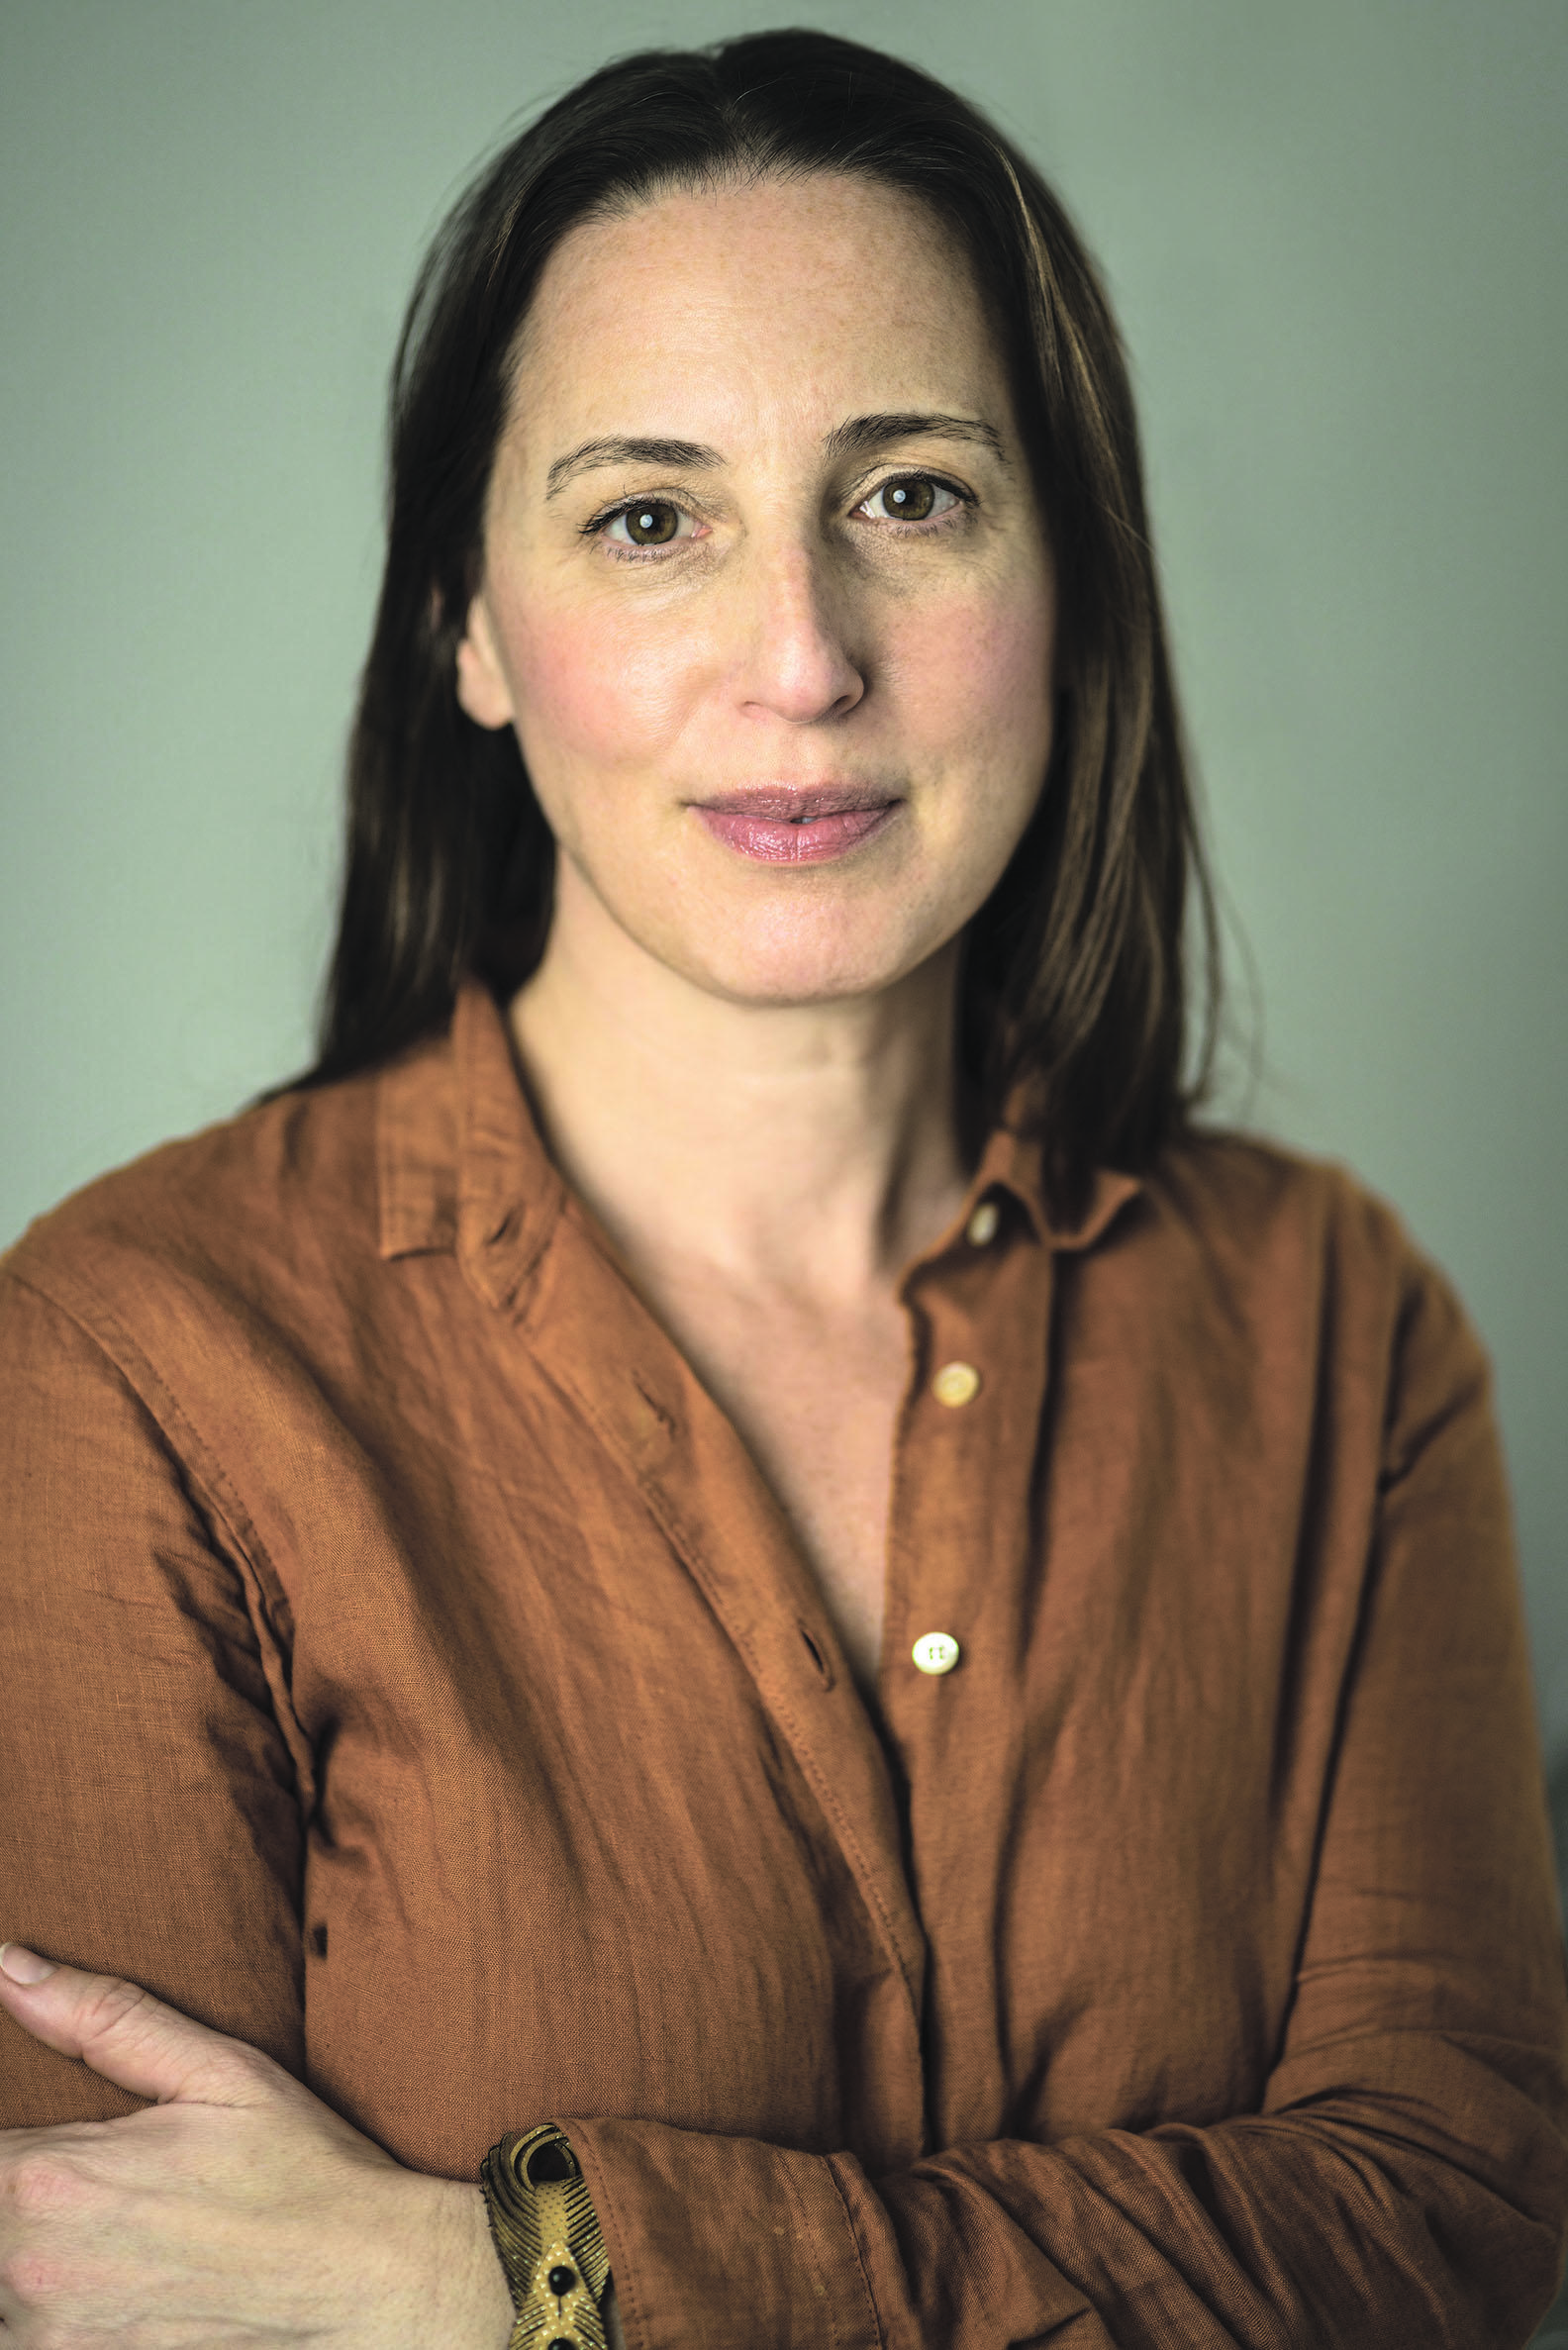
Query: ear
column 482, row 689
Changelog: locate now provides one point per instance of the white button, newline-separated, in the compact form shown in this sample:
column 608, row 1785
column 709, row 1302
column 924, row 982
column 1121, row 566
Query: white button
column 957, row 1383
column 935, row 1652
column 980, row 1230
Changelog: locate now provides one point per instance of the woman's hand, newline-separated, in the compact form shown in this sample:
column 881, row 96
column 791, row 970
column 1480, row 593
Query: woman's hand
column 236, row 2211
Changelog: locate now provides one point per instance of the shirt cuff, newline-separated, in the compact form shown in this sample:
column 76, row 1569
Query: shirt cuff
column 716, row 2241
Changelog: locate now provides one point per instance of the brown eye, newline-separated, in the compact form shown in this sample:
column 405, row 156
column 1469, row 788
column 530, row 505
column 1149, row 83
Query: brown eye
column 909, row 498
column 651, row 524
column 912, row 500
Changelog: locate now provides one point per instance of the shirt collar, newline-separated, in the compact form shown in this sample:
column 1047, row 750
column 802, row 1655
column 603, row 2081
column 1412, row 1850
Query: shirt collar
column 460, row 1161
column 1014, row 1161
column 460, row 1166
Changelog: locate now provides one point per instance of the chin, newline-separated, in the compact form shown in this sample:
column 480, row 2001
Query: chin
column 794, row 963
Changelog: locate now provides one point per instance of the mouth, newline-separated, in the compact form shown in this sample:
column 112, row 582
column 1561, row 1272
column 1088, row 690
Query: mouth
column 778, row 825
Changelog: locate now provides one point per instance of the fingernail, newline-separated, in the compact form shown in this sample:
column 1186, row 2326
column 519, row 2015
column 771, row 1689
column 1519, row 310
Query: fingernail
column 24, row 1966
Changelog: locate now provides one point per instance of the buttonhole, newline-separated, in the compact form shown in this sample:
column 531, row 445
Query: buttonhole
column 319, row 1940
column 825, row 1671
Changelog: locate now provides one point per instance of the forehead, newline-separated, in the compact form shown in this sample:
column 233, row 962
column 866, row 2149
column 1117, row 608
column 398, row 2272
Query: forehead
column 791, row 299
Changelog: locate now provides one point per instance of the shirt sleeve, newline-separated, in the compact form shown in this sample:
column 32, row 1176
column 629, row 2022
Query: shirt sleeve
column 149, row 1811
column 1405, row 2180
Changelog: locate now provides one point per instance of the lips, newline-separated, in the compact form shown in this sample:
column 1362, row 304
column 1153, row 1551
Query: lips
column 784, row 827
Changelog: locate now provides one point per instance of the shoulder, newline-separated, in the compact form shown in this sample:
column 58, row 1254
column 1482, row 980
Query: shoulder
column 254, row 1208
column 1304, row 1257
column 1254, row 1206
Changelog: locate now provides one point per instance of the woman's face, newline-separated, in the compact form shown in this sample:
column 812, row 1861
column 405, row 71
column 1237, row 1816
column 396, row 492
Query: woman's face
column 766, row 590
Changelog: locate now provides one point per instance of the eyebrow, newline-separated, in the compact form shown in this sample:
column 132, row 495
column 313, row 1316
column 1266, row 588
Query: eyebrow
column 864, row 433
column 620, row 449
column 859, row 436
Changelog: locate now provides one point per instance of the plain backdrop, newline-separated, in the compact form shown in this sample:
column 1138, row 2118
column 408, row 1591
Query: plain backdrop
column 1336, row 237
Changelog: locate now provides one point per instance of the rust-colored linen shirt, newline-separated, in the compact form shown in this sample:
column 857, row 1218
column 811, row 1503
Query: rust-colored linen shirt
column 406, row 1669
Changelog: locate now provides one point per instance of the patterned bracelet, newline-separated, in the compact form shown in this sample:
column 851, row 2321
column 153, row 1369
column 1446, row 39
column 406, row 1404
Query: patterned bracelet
column 547, row 2240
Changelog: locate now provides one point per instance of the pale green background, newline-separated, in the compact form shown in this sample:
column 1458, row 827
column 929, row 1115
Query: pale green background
column 1336, row 233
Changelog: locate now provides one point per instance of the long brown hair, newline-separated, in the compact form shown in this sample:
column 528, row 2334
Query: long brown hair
column 1076, row 969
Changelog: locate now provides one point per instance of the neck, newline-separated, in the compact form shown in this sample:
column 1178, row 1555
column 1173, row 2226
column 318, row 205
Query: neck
column 803, row 1149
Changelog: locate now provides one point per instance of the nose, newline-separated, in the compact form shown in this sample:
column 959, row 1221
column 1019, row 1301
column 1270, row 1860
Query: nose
column 796, row 649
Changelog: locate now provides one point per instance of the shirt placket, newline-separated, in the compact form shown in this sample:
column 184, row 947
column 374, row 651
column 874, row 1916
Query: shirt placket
column 961, row 1594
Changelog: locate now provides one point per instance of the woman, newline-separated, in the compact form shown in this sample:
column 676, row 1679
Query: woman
column 725, row 1567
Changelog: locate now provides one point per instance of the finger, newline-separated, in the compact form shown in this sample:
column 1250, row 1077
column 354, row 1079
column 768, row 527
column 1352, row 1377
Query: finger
column 132, row 2038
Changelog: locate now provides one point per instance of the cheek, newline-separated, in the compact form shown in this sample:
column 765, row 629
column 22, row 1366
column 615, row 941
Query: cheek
column 592, row 698
column 975, row 682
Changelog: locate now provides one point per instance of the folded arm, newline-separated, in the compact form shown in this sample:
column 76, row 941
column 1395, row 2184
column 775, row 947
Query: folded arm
column 1405, row 2182
column 1407, row 2177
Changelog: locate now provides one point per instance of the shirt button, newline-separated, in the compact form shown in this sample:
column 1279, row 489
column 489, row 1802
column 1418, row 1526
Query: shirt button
column 980, row 1230
column 935, row 1652
column 957, row 1383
